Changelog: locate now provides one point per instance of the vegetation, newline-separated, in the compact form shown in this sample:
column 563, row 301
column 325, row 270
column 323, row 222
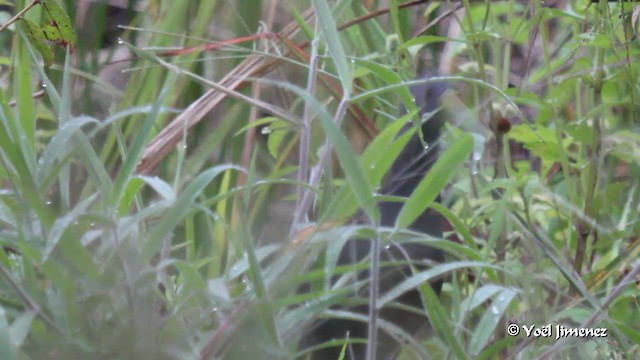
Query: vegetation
column 165, row 194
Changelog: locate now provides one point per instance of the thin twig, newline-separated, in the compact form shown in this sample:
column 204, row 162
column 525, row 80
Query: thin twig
column 18, row 16
column 36, row 95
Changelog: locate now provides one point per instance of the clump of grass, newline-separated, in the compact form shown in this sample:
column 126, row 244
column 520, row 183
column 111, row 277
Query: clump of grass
column 174, row 223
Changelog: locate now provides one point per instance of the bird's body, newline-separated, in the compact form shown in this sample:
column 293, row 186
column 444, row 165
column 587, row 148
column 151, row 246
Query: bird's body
column 406, row 173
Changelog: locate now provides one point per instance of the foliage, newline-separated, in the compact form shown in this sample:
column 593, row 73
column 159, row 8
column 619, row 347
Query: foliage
column 156, row 213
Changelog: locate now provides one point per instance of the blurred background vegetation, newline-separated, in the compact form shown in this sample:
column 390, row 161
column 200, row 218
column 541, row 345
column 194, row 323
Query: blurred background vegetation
column 172, row 178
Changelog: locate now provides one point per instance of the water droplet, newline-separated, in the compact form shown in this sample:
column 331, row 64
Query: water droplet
column 475, row 161
column 120, row 41
column 49, row 202
column 477, row 156
column 426, row 147
column 265, row 130
column 373, row 166
column 495, row 310
column 43, row 85
column 214, row 309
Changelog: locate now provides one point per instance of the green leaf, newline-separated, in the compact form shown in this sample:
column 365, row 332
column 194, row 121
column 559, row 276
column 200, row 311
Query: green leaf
column 63, row 223
column 423, row 277
column 24, row 179
column 596, row 40
column 346, row 156
column 136, row 183
column 37, row 38
column 569, row 13
column 274, row 141
column 441, row 322
column 181, row 207
column 376, row 160
column 480, row 296
column 390, row 77
column 424, row 40
column 457, row 224
column 277, row 130
column 6, row 350
column 330, row 35
column 258, row 122
column 490, row 319
column 524, row 134
column 135, row 151
column 58, row 148
column 437, row 178
column 21, row 327
column 57, row 26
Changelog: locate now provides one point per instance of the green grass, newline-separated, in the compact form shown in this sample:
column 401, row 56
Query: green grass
column 154, row 220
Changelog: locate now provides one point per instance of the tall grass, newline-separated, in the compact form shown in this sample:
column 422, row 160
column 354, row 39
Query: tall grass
column 176, row 218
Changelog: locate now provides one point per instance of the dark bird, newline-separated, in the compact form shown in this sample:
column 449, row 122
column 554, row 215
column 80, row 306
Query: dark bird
column 408, row 170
